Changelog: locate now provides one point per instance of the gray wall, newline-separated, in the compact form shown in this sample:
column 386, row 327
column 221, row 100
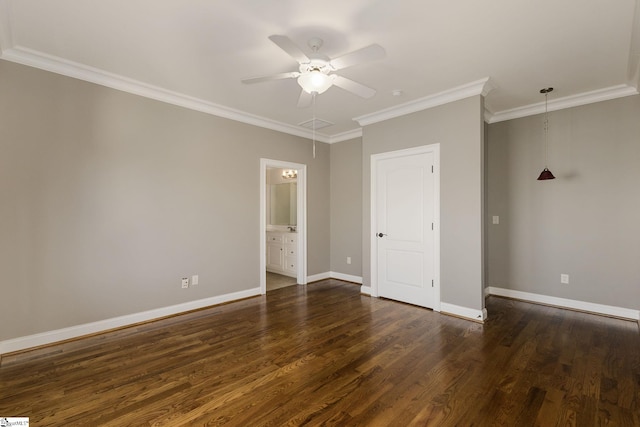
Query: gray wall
column 458, row 127
column 586, row 222
column 108, row 199
column 346, row 207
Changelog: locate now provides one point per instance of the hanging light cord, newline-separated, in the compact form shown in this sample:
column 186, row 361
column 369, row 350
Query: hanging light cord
column 546, row 173
column 546, row 129
column 313, row 122
column 546, row 124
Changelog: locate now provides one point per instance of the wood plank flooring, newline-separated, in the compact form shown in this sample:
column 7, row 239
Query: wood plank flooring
column 323, row 354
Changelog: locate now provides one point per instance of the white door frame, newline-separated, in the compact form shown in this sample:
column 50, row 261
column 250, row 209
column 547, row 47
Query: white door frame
column 375, row 158
column 301, row 227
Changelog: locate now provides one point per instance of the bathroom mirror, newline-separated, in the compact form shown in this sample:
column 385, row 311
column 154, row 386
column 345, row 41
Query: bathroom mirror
column 284, row 203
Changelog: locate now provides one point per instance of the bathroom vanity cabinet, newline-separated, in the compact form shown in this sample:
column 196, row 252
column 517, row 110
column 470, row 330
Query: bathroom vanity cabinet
column 282, row 253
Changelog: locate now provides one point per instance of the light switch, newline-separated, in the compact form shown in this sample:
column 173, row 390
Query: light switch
column 496, row 219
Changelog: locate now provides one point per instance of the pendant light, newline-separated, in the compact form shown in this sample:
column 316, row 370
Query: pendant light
column 546, row 173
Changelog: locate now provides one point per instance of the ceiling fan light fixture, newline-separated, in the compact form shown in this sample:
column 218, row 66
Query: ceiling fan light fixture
column 315, row 81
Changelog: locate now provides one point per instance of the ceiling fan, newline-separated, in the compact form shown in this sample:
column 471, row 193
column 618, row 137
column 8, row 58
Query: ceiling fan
column 315, row 75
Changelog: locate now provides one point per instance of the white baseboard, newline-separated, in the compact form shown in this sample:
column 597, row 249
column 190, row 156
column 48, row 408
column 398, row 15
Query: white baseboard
column 465, row 312
column 49, row 337
column 445, row 308
column 607, row 310
column 345, row 277
column 334, row 275
column 320, row 276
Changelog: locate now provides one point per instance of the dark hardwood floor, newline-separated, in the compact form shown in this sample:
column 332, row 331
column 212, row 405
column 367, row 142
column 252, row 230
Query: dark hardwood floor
column 325, row 355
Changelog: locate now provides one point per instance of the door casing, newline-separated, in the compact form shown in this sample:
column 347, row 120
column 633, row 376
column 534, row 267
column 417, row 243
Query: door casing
column 301, row 227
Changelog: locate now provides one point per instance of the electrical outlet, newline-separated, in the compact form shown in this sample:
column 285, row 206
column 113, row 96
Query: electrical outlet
column 194, row 280
column 348, row 260
column 564, row 279
column 185, row 282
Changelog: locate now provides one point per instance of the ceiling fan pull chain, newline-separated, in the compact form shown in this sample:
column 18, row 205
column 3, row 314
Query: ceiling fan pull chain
column 313, row 123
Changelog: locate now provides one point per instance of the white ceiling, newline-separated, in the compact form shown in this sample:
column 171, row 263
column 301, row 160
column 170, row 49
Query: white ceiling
column 195, row 52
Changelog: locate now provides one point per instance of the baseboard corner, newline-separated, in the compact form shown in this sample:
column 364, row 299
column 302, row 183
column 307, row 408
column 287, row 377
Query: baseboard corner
column 464, row 312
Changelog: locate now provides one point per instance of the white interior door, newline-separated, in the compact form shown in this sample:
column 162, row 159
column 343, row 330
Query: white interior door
column 405, row 224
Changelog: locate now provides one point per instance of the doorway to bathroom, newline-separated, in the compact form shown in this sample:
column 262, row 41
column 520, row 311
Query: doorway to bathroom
column 283, row 231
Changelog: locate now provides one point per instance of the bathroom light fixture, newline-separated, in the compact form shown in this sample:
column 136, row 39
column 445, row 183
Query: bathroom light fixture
column 546, row 173
column 289, row 174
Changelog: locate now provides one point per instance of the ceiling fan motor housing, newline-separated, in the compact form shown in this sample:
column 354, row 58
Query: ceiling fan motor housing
column 316, row 65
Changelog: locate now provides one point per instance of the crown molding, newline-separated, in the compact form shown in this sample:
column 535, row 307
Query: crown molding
column 487, row 114
column 585, row 98
column 482, row 87
column 67, row 68
column 479, row 87
column 345, row 136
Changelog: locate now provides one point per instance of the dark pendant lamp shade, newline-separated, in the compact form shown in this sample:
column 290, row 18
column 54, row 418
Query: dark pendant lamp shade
column 546, row 174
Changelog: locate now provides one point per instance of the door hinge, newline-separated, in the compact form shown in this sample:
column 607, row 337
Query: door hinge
column 432, row 283
column 432, row 226
column 431, row 168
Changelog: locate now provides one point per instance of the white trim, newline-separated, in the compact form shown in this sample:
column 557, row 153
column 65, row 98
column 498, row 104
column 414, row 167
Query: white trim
column 487, row 115
column 436, row 219
column 345, row 277
column 585, row 98
column 366, row 290
column 319, row 276
column 301, row 226
column 607, row 310
column 465, row 312
column 83, row 72
column 479, row 87
column 345, row 136
column 54, row 64
column 373, row 248
column 334, row 275
column 76, row 70
column 49, row 337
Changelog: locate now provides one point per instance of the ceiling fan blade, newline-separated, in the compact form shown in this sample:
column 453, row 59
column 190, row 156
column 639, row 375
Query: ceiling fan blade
column 366, row 54
column 290, row 47
column 291, row 75
column 353, row 87
column 305, row 99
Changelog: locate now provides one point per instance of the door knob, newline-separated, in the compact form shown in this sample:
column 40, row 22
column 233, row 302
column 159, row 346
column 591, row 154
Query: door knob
column 381, row 234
